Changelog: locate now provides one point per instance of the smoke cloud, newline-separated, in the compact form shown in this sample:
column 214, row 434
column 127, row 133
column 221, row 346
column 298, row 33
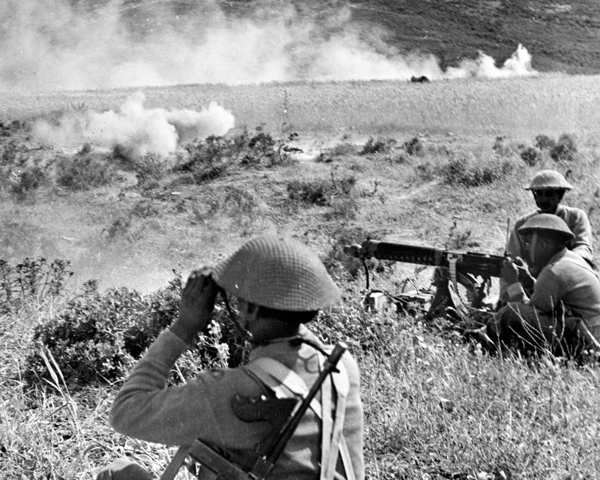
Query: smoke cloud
column 135, row 130
column 95, row 44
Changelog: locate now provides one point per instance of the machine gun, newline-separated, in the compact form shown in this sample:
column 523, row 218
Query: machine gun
column 471, row 270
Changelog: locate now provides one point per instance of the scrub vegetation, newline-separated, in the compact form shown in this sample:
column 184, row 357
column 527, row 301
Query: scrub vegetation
column 125, row 234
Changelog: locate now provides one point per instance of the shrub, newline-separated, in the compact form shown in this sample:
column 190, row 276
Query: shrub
column 28, row 180
column 460, row 171
column 544, row 142
column 315, row 192
column 320, row 191
column 565, row 149
column 531, row 156
column 211, row 158
column 505, row 149
column 34, row 279
column 342, row 150
column 12, row 153
column 414, row 146
column 98, row 336
column 376, row 146
column 84, row 172
column 150, row 169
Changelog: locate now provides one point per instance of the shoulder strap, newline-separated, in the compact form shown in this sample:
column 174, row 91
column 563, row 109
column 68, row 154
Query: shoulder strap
column 286, row 383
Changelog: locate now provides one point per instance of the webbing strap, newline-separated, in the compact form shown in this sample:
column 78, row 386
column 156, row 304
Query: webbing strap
column 341, row 384
column 284, row 381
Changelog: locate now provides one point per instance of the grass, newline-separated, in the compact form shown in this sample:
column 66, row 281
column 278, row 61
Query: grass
column 550, row 104
column 435, row 407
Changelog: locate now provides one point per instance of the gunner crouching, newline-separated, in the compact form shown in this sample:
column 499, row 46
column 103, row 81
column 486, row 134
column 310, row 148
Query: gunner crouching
column 562, row 314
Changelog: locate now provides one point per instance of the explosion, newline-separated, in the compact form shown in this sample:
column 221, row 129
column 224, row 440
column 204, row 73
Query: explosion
column 135, row 130
column 67, row 45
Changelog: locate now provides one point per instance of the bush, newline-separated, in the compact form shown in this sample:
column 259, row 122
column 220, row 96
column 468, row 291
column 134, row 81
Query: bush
column 320, row 191
column 531, row 156
column 28, row 180
column 32, row 280
column 85, row 172
column 460, row 171
column 564, row 150
column 414, row 146
column 315, row 192
column 544, row 142
column 98, row 336
column 150, row 169
column 13, row 153
column 377, row 146
column 211, row 158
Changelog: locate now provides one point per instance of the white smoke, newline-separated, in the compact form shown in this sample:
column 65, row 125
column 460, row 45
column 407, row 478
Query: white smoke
column 135, row 130
column 518, row 65
column 67, row 45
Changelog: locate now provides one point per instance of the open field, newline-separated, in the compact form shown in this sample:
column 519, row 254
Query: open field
column 519, row 107
column 436, row 407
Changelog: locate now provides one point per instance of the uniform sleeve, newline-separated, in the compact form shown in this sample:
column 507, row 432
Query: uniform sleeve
column 353, row 426
column 581, row 228
column 548, row 292
column 146, row 409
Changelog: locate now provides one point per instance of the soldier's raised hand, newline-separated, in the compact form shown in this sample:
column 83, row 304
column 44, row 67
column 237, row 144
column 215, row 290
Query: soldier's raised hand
column 197, row 304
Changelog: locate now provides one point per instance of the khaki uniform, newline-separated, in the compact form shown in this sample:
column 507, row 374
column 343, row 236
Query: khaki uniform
column 145, row 409
column 567, row 278
column 577, row 221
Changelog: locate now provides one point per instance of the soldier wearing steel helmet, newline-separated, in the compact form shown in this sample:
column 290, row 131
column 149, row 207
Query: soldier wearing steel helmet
column 548, row 188
column 563, row 312
column 280, row 285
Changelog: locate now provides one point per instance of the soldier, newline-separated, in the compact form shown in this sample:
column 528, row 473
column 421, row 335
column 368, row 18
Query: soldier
column 280, row 285
column 565, row 282
column 548, row 188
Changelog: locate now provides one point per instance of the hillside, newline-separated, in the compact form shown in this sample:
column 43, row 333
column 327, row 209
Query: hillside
column 560, row 36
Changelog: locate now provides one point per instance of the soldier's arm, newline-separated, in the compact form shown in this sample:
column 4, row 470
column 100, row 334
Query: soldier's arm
column 548, row 292
column 581, row 228
column 145, row 408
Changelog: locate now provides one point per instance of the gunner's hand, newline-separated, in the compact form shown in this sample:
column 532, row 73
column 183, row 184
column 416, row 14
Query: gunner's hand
column 510, row 271
column 525, row 276
column 197, row 304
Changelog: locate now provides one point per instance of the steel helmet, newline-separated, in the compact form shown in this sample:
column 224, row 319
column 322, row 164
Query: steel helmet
column 547, row 223
column 549, row 180
column 279, row 273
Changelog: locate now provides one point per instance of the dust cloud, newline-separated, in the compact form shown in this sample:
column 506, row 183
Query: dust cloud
column 52, row 45
column 133, row 129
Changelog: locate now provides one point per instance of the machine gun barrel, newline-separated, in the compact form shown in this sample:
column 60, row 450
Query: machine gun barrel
column 482, row 264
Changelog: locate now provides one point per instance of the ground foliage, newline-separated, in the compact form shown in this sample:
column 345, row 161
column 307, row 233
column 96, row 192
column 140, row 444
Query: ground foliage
column 97, row 337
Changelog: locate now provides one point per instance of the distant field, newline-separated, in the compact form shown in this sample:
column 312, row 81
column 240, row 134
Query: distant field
column 518, row 107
